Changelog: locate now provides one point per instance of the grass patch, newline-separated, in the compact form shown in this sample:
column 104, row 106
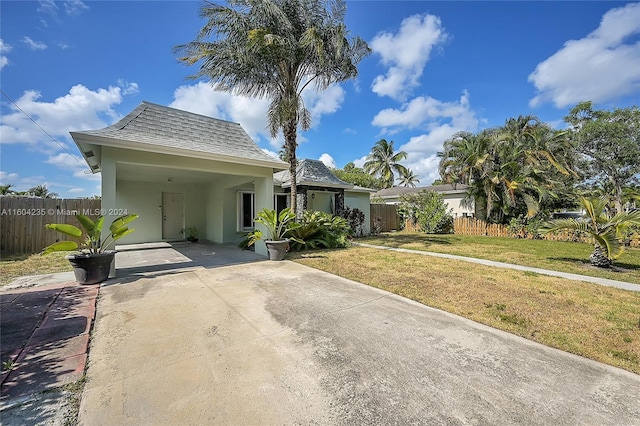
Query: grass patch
column 555, row 255
column 597, row 322
column 14, row 266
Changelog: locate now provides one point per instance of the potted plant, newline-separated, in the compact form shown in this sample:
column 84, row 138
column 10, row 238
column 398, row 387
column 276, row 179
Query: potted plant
column 91, row 264
column 278, row 226
column 193, row 234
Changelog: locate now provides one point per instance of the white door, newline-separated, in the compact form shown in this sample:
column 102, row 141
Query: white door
column 172, row 216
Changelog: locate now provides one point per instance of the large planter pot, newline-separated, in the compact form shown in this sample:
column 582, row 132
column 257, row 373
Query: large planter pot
column 91, row 268
column 277, row 249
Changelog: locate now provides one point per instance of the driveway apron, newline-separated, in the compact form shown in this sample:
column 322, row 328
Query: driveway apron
column 280, row 343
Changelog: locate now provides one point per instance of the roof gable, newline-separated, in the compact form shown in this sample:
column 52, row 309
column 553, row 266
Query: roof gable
column 311, row 173
column 155, row 128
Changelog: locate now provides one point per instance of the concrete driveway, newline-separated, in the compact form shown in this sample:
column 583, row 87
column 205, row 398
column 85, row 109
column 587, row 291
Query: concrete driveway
column 279, row 343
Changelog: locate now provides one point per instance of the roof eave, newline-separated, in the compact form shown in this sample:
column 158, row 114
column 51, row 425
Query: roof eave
column 145, row 147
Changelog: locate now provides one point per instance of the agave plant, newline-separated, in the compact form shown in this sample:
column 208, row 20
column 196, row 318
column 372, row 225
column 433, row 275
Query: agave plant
column 607, row 231
column 95, row 243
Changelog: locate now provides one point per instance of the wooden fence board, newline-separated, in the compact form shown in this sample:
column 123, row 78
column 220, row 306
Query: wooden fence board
column 23, row 219
column 388, row 214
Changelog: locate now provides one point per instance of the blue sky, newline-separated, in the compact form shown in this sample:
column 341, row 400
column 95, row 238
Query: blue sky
column 436, row 68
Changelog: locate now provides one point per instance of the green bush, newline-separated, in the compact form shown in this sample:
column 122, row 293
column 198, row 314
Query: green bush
column 427, row 210
column 355, row 218
column 522, row 227
column 321, row 230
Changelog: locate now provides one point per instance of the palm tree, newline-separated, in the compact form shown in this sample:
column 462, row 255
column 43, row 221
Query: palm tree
column 6, row 189
column 275, row 49
column 383, row 161
column 41, row 191
column 408, row 179
column 607, row 231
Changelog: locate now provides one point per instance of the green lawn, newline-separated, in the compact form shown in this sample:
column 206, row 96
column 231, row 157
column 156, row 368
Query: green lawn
column 554, row 255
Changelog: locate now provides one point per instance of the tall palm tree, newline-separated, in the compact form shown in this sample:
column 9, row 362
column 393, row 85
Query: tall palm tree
column 606, row 230
column 275, row 49
column 383, row 161
column 408, row 179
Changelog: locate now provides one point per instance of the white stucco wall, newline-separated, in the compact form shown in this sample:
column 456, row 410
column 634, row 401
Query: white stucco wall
column 453, row 201
column 145, row 199
column 209, row 206
column 361, row 201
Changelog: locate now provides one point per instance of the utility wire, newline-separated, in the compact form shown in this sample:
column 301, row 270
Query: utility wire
column 43, row 130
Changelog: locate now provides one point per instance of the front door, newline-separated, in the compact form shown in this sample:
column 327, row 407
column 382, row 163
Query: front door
column 172, row 216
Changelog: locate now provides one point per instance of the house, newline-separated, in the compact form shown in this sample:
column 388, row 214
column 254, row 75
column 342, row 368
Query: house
column 453, row 195
column 178, row 170
column 319, row 189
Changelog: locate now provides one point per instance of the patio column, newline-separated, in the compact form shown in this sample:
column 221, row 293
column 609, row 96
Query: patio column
column 263, row 198
column 339, row 198
column 301, row 200
column 108, row 203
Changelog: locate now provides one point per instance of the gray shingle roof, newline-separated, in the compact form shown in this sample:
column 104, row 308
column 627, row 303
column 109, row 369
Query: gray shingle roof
column 311, row 173
column 194, row 134
column 396, row 191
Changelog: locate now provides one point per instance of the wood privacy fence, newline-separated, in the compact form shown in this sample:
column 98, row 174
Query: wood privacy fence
column 23, row 218
column 386, row 215
column 472, row 226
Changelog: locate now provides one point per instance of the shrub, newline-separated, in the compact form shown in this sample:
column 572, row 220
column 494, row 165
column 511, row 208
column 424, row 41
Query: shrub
column 521, row 227
column 321, row 230
column 427, row 210
column 355, row 218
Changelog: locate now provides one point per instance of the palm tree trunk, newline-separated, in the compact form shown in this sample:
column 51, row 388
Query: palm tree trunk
column 599, row 259
column 290, row 148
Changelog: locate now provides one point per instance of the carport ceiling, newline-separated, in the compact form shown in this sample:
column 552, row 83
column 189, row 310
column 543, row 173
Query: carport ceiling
column 145, row 173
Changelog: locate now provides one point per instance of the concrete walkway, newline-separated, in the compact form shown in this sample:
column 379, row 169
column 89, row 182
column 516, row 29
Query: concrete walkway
column 576, row 277
column 279, row 343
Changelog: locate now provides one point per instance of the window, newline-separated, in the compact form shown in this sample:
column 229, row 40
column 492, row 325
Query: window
column 247, row 208
column 281, row 201
column 247, row 211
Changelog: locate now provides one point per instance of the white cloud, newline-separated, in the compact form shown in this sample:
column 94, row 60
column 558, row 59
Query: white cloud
column 75, row 7
column 359, row 162
column 7, row 178
column 599, row 67
column 425, row 112
column 4, row 48
column 33, row 45
column 76, row 190
column 251, row 113
column 438, row 119
column 47, row 6
column 406, row 54
column 80, row 109
column 328, row 160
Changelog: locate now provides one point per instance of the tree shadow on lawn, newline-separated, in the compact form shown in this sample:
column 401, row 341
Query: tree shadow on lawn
column 617, row 266
column 399, row 240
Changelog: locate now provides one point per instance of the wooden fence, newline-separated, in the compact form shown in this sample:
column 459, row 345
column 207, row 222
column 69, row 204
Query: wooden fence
column 386, row 216
column 22, row 221
column 472, row 226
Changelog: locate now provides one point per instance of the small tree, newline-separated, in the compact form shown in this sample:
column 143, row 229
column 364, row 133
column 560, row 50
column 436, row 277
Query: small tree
column 427, row 210
column 607, row 231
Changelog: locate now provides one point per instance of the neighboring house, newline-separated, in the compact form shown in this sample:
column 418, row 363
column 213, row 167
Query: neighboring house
column 452, row 196
column 177, row 169
column 319, row 189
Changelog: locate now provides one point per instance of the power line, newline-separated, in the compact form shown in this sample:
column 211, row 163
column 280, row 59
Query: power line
column 43, row 130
